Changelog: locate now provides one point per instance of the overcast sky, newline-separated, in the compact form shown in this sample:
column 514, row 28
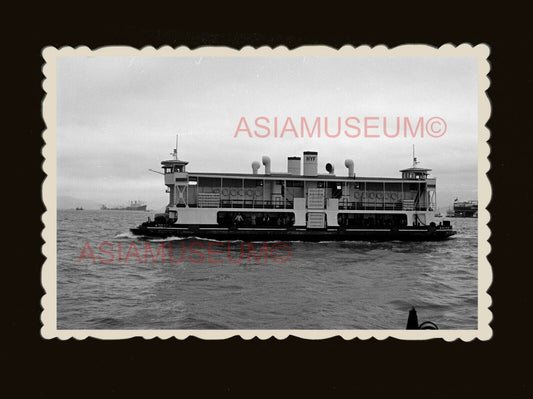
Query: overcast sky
column 118, row 117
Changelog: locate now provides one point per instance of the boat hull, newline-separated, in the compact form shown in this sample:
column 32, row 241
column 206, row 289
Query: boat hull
column 295, row 234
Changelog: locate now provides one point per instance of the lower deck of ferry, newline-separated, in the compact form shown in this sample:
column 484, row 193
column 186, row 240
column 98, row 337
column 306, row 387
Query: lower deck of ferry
column 291, row 226
column 408, row 233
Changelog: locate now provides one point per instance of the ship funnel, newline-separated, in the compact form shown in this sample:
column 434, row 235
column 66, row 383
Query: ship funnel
column 266, row 162
column 255, row 167
column 349, row 164
column 310, row 163
column 293, row 165
column 330, row 168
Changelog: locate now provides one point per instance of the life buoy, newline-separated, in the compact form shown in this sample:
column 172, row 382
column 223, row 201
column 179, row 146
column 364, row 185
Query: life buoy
column 394, row 196
column 357, row 195
column 371, row 195
column 379, row 195
column 233, row 192
column 239, row 191
column 225, row 191
column 249, row 192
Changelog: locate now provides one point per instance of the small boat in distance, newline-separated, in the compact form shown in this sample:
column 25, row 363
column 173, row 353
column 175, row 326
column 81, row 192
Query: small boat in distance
column 79, row 208
column 292, row 205
column 133, row 206
column 465, row 209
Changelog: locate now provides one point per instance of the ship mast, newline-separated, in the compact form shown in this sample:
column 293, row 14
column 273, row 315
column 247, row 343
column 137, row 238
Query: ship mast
column 175, row 152
column 415, row 162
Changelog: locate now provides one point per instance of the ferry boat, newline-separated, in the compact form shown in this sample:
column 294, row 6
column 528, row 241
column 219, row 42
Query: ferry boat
column 289, row 206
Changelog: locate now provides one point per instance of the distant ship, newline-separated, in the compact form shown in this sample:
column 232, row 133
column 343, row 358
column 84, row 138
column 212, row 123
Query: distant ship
column 133, row 206
column 79, row 208
column 465, row 209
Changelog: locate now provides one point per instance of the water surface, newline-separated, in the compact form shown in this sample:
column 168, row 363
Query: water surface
column 330, row 285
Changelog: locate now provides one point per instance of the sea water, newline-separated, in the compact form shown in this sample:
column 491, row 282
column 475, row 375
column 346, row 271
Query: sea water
column 106, row 279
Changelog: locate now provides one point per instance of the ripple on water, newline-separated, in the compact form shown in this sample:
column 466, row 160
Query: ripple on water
column 329, row 285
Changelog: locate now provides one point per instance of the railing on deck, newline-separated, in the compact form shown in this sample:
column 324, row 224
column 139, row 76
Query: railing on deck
column 279, row 204
column 379, row 206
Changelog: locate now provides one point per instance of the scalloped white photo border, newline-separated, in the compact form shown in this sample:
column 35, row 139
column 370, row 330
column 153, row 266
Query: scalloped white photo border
column 49, row 271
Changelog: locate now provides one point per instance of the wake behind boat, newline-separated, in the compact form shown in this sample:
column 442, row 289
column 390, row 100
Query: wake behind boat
column 294, row 206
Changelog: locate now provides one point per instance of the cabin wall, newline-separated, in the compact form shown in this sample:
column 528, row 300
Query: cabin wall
column 331, row 219
column 192, row 195
column 197, row 216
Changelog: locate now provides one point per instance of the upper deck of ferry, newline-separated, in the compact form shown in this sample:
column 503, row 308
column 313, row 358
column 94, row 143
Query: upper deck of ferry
column 413, row 190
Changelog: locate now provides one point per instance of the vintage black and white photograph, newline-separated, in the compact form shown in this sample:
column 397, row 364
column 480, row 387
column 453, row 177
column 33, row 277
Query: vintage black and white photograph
column 266, row 192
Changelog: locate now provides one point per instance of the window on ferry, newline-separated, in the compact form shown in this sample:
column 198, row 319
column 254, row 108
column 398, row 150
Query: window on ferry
column 295, row 183
column 393, row 191
column 374, row 186
column 356, row 220
column 249, row 184
column 258, row 219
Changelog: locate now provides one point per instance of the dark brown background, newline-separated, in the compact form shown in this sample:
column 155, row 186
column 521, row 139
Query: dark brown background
column 364, row 368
